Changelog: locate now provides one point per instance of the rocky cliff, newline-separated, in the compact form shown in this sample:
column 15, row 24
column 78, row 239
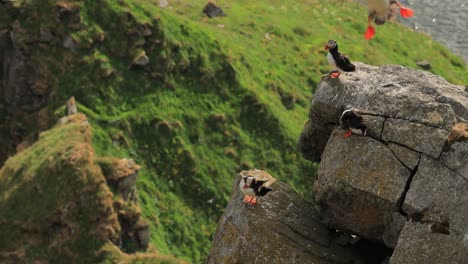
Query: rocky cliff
column 281, row 228
column 403, row 186
column 406, row 182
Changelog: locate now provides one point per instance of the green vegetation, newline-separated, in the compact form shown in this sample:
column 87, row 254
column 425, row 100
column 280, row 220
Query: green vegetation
column 52, row 174
column 217, row 96
column 56, row 205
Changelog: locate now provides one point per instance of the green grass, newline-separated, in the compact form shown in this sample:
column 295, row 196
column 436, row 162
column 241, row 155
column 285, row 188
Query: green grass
column 36, row 183
column 56, row 206
column 213, row 100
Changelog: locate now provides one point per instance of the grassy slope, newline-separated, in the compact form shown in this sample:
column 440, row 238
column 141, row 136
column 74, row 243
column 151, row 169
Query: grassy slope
column 217, row 100
column 56, row 206
column 35, row 183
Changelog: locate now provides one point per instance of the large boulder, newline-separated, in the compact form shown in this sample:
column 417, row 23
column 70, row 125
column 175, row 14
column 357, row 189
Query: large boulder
column 409, row 173
column 397, row 94
column 281, row 228
column 437, row 203
column 360, row 187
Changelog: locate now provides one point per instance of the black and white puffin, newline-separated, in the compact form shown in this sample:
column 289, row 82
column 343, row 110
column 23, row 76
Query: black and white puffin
column 338, row 60
column 381, row 10
column 255, row 183
column 351, row 120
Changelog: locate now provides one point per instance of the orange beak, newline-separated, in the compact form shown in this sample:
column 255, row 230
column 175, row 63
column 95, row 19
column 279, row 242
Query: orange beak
column 245, row 186
column 326, row 47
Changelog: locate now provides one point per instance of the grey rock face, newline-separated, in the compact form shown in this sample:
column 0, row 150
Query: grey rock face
column 408, row 157
column 415, row 136
column 280, row 228
column 418, row 245
column 360, row 182
column 375, row 125
column 402, row 96
column 406, row 182
column 441, row 193
column 456, row 158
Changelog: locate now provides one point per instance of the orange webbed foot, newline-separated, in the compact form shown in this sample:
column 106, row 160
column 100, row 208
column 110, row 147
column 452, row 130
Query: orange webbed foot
column 370, row 32
column 406, row 12
column 347, row 134
column 247, row 199
column 253, row 200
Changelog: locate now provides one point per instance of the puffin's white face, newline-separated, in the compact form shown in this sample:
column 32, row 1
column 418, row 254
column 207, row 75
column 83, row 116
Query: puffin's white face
column 247, row 182
column 245, row 186
column 330, row 44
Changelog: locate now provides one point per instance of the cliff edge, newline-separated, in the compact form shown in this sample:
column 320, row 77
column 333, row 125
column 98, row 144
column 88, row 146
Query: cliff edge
column 405, row 183
column 281, row 228
column 402, row 189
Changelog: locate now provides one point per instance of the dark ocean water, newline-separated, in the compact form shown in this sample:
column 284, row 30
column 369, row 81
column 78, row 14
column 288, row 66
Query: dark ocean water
column 445, row 21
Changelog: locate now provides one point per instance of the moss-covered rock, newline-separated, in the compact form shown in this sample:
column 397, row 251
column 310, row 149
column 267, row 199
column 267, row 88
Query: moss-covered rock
column 54, row 200
column 56, row 204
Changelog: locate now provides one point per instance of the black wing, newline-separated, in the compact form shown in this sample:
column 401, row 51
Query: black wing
column 345, row 64
column 259, row 189
column 345, row 124
column 256, row 184
column 263, row 191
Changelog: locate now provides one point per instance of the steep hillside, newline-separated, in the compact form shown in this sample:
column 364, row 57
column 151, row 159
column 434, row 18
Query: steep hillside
column 192, row 100
column 62, row 204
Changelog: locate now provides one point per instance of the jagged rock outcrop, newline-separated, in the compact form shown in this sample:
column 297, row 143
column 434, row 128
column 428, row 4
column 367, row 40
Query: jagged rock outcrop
column 281, row 228
column 60, row 203
column 406, row 174
column 121, row 176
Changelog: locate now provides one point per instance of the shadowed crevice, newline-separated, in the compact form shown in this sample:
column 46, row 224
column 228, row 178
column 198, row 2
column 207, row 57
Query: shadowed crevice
column 382, row 130
column 402, row 163
column 401, row 200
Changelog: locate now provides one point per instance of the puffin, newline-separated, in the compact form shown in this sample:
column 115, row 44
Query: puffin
column 350, row 120
column 338, row 60
column 254, row 184
column 381, row 10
